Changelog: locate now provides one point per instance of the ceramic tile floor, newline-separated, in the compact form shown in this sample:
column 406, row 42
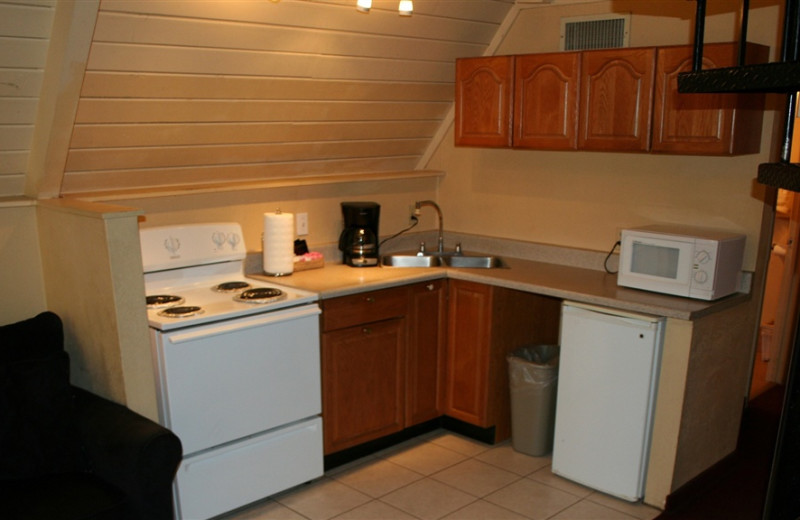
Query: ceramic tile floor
column 442, row 475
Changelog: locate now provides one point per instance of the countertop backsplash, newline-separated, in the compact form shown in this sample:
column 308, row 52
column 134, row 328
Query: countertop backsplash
column 501, row 247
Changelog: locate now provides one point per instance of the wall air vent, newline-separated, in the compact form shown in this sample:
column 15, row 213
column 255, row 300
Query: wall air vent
column 594, row 32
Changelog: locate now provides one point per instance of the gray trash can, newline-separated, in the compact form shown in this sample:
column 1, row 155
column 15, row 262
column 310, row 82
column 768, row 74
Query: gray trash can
column 533, row 378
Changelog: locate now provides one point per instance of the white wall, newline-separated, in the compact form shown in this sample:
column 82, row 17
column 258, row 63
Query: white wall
column 20, row 263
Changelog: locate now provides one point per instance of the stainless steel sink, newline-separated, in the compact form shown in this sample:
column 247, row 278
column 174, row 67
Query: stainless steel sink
column 411, row 261
column 479, row 262
column 467, row 261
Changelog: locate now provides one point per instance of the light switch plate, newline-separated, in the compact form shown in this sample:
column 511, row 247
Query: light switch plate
column 301, row 223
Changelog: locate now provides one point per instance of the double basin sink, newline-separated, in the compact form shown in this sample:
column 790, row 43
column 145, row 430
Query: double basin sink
column 460, row 260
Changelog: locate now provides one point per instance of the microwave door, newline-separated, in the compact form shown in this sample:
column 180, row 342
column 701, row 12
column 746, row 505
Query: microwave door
column 661, row 265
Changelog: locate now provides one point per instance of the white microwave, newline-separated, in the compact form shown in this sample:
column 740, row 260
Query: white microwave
column 683, row 261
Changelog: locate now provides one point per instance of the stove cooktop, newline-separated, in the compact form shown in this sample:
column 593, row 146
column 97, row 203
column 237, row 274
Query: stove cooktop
column 194, row 274
column 198, row 304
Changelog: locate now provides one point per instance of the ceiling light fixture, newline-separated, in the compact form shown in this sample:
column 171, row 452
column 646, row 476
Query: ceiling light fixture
column 406, row 7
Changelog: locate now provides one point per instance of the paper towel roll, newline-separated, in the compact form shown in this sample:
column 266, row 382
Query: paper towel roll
column 278, row 243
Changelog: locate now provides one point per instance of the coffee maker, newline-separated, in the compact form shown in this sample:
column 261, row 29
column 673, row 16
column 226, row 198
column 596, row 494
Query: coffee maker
column 359, row 239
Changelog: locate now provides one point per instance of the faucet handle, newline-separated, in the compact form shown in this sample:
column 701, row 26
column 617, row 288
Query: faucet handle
column 421, row 251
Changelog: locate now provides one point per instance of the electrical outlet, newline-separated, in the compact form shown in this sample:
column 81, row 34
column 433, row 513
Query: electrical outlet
column 412, row 212
column 301, row 223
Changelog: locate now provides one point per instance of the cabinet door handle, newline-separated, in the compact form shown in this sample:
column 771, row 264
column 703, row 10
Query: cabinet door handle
column 430, row 287
column 370, row 299
column 366, row 330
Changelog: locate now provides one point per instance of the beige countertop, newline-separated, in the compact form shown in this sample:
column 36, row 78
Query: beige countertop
column 549, row 279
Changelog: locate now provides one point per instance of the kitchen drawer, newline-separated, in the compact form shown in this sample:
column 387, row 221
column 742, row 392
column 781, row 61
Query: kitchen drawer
column 228, row 477
column 367, row 307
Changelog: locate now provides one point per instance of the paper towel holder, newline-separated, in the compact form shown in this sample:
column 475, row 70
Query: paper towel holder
column 278, row 258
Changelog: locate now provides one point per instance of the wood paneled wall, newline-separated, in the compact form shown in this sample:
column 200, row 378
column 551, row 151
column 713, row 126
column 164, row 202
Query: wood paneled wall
column 24, row 36
column 189, row 94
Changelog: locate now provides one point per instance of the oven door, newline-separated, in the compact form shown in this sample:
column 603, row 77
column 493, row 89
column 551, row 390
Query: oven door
column 236, row 378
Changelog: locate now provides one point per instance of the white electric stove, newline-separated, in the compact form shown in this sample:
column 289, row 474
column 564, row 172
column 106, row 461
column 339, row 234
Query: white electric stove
column 238, row 369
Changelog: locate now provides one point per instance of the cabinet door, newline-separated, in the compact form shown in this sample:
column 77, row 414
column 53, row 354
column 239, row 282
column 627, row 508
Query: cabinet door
column 616, row 99
column 468, row 348
column 708, row 124
column 363, row 374
column 546, row 101
column 427, row 330
column 484, row 103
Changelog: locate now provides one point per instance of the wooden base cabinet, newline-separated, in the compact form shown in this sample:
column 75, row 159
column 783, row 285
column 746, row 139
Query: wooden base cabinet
column 400, row 357
column 426, row 332
column 485, row 324
column 382, row 359
column 363, row 367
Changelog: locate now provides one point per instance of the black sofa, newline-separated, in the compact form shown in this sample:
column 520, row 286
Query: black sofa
column 66, row 453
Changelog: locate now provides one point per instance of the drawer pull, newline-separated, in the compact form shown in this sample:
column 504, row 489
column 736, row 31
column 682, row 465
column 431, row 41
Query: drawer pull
column 370, row 299
column 430, row 287
column 366, row 330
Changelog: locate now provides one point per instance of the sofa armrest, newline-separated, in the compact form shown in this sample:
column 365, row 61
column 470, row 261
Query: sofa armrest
column 132, row 452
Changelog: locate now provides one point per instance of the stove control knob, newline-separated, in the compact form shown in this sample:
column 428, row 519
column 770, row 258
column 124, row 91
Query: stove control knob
column 234, row 239
column 172, row 244
column 218, row 239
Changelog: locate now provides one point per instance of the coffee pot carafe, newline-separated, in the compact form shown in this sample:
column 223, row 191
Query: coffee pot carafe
column 359, row 239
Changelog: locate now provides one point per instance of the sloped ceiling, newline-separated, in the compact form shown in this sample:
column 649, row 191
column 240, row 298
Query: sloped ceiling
column 203, row 94
column 24, row 35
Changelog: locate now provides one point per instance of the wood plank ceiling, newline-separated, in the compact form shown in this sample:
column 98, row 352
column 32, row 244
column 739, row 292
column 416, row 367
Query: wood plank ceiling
column 25, row 27
column 188, row 94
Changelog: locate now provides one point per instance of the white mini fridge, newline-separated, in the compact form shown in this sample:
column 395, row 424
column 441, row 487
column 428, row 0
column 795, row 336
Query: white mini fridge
column 607, row 381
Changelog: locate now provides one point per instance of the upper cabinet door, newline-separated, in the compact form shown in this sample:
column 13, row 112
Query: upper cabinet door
column 616, row 99
column 546, row 101
column 708, row 124
column 484, row 103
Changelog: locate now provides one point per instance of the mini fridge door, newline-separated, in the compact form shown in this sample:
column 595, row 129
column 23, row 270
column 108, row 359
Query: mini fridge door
column 607, row 383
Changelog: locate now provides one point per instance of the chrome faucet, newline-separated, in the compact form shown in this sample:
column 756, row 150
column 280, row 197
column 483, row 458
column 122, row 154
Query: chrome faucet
column 418, row 206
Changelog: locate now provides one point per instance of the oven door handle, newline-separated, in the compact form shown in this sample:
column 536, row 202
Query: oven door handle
column 258, row 321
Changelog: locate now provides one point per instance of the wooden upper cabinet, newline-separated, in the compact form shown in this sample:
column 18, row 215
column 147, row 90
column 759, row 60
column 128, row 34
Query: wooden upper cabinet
column 484, row 101
column 546, row 101
column 616, row 99
column 708, row 124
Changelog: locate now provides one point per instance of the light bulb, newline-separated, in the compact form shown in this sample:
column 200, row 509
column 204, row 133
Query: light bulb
column 406, row 7
column 364, row 5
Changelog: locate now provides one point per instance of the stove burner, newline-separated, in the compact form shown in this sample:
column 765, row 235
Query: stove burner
column 158, row 301
column 181, row 312
column 230, row 286
column 260, row 295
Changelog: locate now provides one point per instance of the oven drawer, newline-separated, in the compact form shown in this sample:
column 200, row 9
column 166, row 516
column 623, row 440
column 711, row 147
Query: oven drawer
column 367, row 307
column 232, row 476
